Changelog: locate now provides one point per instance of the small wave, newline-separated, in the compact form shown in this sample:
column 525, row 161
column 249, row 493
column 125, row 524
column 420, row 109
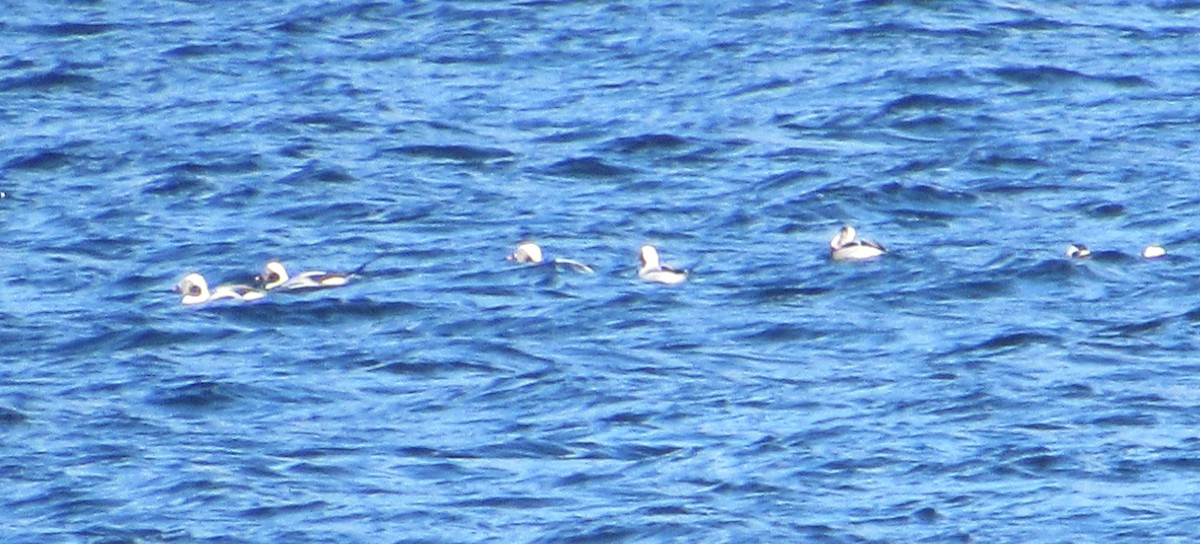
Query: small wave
column 762, row 86
column 570, row 136
column 891, row 29
column 648, row 143
column 262, row 512
column 922, row 193
column 784, row 332
column 1045, row 75
column 934, row 78
column 178, row 185
column 1030, row 22
column 361, row 10
column 198, row 394
column 74, row 29
column 1043, row 462
column 355, row 211
column 428, row 368
column 409, row 212
column 975, row 289
column 459, row 153
column 235, row 197
column 1126, row 81
column 915, row 166
column 1015, row 340
column 331, row 122
column 1050, row 270
column 1132, row 419
column 317, row 307
column 1038, row 75
column 929, row 127
column 47, row 81
column 194, row 50
column 509, row 503
column 233, row 164
column 318, row 172
column 40, row 161
column 108, row 338
column 790, row 178
column 523, row 448
column 8, row 416
column 587, row 167
column 999, row 159
column 784, row 293
column 1101, row 210
column 926, row 102
column 1189, row 464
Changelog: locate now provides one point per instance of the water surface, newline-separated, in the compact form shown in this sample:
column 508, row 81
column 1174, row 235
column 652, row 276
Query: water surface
column 973, row 385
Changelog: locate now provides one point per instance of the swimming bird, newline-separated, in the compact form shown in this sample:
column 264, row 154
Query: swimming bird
column 1078, row 251
column 845, row 246
column 194, row 290
column 653, row 270
column 1153, row 251
column 530, row 252
column 275, row 276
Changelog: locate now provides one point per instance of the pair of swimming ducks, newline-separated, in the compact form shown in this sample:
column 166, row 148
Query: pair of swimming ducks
column 651, row 267
column 194, row 289
column 1080, row 251
column 846, row 246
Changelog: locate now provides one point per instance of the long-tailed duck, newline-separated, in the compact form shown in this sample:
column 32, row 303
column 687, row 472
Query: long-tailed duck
column 652, row 269
column 530, row 252
column 1078, row 251
column 194, row 290
column 275, row 276
column 845, row 246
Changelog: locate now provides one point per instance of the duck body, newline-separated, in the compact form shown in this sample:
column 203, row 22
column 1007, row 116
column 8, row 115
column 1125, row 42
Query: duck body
column 846, row 246
column 1153, row 251
column 652, row 270
column 194, row 289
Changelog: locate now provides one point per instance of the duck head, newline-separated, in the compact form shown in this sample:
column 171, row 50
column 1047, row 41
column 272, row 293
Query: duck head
column 193, row 288
column 527, row 252
column 273, row 275
column 843, row 238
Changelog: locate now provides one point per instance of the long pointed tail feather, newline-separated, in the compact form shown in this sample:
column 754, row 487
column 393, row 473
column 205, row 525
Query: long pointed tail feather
column 360, row 269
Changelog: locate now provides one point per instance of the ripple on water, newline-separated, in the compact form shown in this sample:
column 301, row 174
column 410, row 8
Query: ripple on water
column 588, row 168
column 53, row 80
column 9, row 416
column 197, row 395
column 456, row 153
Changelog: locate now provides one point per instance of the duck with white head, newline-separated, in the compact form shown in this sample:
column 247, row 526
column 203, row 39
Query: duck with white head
column 275, row 277
column 529, row 252
column 846, row 246
column 193, row 289
column 652, row 270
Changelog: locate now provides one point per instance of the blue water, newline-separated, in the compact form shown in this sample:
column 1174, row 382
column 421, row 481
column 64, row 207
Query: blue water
column 973, row 385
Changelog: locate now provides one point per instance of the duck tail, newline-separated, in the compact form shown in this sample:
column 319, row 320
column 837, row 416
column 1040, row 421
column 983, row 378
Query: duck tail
column 362, row 267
